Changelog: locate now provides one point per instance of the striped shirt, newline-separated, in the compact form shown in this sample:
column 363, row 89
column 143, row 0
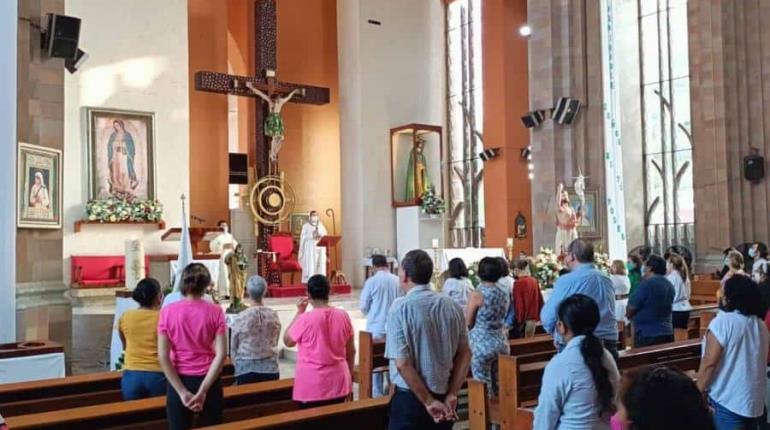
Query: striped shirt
column 427, row 328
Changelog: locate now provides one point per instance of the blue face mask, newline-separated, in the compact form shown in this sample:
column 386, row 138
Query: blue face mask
column 752, row 252
column 642, row 269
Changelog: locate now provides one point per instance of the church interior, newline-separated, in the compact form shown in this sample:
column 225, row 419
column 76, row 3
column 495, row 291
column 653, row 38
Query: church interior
column 288, row 139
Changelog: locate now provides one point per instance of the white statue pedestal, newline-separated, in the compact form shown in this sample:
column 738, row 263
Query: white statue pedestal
column 417, row 231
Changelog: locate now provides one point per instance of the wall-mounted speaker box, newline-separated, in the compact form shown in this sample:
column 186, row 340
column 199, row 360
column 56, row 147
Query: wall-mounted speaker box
column 754, row 167
column 62, row 36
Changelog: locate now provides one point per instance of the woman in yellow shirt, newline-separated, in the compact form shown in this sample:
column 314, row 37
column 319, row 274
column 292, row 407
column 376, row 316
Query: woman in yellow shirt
column 138, row 328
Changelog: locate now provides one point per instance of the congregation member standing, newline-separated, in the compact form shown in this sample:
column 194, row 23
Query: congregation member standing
column 584, row 278
column 580, row 383
column 138, row 329
column 427, row 344
column 376, row 298
column 619, row 277
column 661, row 398
column 760, row 266
column 649, row 308
column 734, row 266
column 634, row 266
column 527, row 301
column 457, row 286
column 192, row 346
column 679, row 276
column 733, row 368
column 325, row 348
column 254, row 337
column 486, row 310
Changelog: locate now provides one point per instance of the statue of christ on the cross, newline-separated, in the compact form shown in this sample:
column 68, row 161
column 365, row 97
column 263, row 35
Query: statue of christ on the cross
column 274, row 128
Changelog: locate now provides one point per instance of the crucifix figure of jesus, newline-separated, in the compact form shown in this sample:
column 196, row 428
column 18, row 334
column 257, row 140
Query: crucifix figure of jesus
column 273, row 127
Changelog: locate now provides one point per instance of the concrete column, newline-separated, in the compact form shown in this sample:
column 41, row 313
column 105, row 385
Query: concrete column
column 8, row 46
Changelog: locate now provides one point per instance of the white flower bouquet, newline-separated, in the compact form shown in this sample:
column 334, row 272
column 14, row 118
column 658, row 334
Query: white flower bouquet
column 545, row 267
column 121, row 210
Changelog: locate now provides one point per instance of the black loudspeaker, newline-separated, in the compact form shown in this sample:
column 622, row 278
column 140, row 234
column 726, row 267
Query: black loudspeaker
column 565, row 111
column 61, row 38
column 754, row 167
column 489, row 154
column 533, row 119
column 239, row 169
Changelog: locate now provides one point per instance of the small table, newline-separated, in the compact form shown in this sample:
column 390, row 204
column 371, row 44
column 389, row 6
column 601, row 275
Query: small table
column 367, row 265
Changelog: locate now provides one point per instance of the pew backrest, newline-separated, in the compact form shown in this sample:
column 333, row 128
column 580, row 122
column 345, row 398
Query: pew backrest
column 371, row 360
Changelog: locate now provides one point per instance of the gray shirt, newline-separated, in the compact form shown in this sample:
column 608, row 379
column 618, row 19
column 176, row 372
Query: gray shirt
column 379, row 292
column 428, row 328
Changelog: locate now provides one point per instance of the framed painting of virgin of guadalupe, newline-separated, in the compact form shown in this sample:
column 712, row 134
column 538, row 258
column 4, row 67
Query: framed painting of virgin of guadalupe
column 121, row 154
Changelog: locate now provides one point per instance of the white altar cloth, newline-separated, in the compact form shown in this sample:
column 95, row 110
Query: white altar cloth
column 212, row 265
column 32, row 368
column 468, row 255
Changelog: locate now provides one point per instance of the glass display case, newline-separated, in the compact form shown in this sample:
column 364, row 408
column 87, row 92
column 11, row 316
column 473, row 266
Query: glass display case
column 416, row 160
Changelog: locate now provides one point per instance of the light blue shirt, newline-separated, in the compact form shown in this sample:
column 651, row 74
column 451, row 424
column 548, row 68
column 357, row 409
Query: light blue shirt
column 379, row 292
column 587, row 280
column 568, row 398
column 427, row 328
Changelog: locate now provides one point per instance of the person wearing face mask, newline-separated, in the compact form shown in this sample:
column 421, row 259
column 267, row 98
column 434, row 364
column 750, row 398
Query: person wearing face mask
column 311, row 256
column 650, row 306
column 224, row 244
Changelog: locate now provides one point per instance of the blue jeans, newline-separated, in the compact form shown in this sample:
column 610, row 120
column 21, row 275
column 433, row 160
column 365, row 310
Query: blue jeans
column 141, row 384
column 724, row 419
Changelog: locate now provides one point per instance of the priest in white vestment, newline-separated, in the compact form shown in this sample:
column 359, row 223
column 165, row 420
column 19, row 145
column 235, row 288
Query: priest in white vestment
column 224, row 245
column 312, row 257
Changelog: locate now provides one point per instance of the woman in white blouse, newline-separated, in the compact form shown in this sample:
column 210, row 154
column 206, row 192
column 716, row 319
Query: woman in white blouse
column 679, row 277
column 619, row 276
column 458, row 287
column 580, row 384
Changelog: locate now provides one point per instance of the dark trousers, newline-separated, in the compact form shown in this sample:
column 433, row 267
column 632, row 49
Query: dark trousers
column 640, row 340
column 250, row 378
column 319, row 403
column 680, row 319
column 408, row 413
column 181, row 418
column 141, row 384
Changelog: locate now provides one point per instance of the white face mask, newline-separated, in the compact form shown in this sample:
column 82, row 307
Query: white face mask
column 314, row 219
column 752, row 252
column 225, row 228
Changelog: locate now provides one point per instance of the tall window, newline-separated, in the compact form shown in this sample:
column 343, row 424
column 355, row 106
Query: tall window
column 669, row 203
column 466, row 114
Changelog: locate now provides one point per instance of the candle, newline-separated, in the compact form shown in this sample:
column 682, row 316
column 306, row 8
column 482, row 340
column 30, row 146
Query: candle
column 435, row 243
column 509, row 242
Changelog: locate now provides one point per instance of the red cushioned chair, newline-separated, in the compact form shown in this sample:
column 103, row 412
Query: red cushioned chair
column 282, row 244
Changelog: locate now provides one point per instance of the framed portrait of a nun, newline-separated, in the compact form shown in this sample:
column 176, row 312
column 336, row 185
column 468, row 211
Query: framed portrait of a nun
column 121, row 154
column 39, row 187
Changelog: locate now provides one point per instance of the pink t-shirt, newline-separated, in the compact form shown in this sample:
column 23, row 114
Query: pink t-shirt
column 191, row 327
column 322, row 371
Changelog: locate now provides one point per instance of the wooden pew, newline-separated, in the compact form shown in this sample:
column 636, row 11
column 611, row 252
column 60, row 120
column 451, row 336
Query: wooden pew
column 71, row 392
column 371, row 360
column 698, row 322
column 520, row 378
column 240, row 402
column 704, row 291
column 371, row 414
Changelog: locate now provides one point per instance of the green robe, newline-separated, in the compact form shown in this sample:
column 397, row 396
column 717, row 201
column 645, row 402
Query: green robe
column 422, row 166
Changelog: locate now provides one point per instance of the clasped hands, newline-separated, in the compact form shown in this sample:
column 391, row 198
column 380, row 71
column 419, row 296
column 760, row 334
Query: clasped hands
column 193, row 402
column 442, row 411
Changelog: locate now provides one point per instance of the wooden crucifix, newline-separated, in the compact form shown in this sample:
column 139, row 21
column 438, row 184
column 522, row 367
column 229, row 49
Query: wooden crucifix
column 266, row 83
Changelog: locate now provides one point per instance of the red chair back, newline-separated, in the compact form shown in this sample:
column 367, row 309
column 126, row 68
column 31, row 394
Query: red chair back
column 283, row 245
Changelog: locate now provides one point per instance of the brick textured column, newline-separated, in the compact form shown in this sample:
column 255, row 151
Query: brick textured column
column 730, row 95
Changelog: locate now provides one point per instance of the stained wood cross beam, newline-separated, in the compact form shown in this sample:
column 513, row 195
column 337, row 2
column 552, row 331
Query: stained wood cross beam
column 224, row 83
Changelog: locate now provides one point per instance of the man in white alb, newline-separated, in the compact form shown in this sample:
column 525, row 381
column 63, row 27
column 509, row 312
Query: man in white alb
column 224, row 244
column 312, row 257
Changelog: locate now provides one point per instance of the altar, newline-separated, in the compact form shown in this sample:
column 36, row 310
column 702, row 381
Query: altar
column 468, row 255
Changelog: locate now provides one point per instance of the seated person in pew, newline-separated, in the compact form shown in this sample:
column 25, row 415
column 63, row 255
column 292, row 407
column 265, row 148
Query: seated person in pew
column 457, row 286
column 192, row 349
column 649, row 308
column 580, row 383
column 138, row 329
column 427, row 344
column 254, row 337
column 661, row 398
column 584, row 278
column 486, row 310
column 378, row 294
column 679, row 276
column 326, row 352
column 527, row 302
column 733, row 369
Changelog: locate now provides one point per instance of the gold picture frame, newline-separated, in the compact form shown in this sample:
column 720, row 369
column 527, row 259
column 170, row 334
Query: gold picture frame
column 39, row 187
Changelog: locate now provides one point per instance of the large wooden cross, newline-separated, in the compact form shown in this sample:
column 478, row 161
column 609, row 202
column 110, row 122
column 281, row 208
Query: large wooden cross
column 265, row 33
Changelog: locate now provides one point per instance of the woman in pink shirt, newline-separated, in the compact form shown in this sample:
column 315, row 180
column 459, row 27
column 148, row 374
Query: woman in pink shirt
column 191, row 349
column 324, row 339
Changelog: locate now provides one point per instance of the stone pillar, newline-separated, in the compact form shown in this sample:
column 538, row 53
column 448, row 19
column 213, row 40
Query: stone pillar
column 729, row 67
column 8, row 30
column 565, row 60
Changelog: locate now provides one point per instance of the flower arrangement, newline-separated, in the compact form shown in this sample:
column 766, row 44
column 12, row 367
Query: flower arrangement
column 473, row 274
column 120, row 210
column 602, row 262
column 431, row 203
column 545, row 267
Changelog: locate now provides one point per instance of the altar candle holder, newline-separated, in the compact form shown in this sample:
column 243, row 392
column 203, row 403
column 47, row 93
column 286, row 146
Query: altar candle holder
column 436, row 272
